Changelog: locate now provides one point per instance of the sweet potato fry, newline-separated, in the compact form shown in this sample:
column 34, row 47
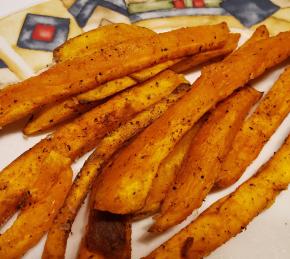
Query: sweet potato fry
column 81, row 45
column 17, row 193
column 256, row 131
column 56, row 113
column 75, row 138
column 149, row 72
column 109, row 235
column 74, row 106
column 230, row 215
column 186, row 64
column 58, row 234
column 124, row 188
column 106, row 89
column 89, row 42
column 203, row 160
column 84, row 252
column 70, row 108
column 66, row 79
column 35, row 219
column 166, row 173
column 261, row 33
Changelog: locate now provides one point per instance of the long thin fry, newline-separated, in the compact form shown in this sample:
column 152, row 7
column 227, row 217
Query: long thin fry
column 203, row 160
column 66, row 78
column 147, row 73
column 74, row 106
column 56, row 113
column 124, row 188
column 57, row 237
column 186, row 64
column 106, row 89
column 230, row 215
column 256, row 131
column 35, row 219
column 79, row 136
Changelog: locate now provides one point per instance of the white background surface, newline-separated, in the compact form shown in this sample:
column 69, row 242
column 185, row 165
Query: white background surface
column 267, row 237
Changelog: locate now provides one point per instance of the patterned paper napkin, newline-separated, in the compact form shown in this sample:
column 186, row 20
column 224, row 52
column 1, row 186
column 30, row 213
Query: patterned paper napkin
column 28, row 38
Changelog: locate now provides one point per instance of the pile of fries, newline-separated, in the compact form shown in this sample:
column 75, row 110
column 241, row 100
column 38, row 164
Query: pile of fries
column 160, row 144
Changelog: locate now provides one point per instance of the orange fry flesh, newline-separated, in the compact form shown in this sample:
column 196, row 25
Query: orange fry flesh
column 230, row 215
column 167, row 172
column 203, row 160
column 190, row 62
column 66, row 78
column 88, row 42
column 81, row 135
column 59, row 232
column 124, row 188
column 35, row 219
column 256, row 131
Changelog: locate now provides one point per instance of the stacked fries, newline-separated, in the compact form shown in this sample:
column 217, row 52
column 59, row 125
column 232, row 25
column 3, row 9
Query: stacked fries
column 160, row 144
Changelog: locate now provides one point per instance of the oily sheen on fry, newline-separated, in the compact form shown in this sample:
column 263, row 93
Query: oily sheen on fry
column 230, row 215
column 256, row 131
column 188, row 63
column 35, row 219
column 203, row 160
column 79, row 136
column 72, row 107
column 57, row 237
column 124, row 188
column 166, row 173
column 84, row 73
column 88, row 42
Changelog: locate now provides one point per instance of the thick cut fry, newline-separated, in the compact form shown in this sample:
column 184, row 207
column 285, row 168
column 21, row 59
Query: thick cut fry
column 256, row 131
column 149, row 72
column 35, row 219
column 230, row 215
column 203, row 160
column 58, row 234
column 166, row 173
column 75, row 138
column 109, row 235
column 85, row 253
column 89, row 42
column 26, row 189
column 124, row 188
column 186, row 64
column 66, row 78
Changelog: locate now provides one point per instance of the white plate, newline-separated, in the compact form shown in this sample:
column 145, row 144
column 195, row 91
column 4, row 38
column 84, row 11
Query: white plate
column 267, row 237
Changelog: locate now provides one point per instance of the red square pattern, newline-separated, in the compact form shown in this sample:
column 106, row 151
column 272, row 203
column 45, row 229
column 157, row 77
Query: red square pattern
column 198, row 3
column 43, row 32
column 178, row 3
